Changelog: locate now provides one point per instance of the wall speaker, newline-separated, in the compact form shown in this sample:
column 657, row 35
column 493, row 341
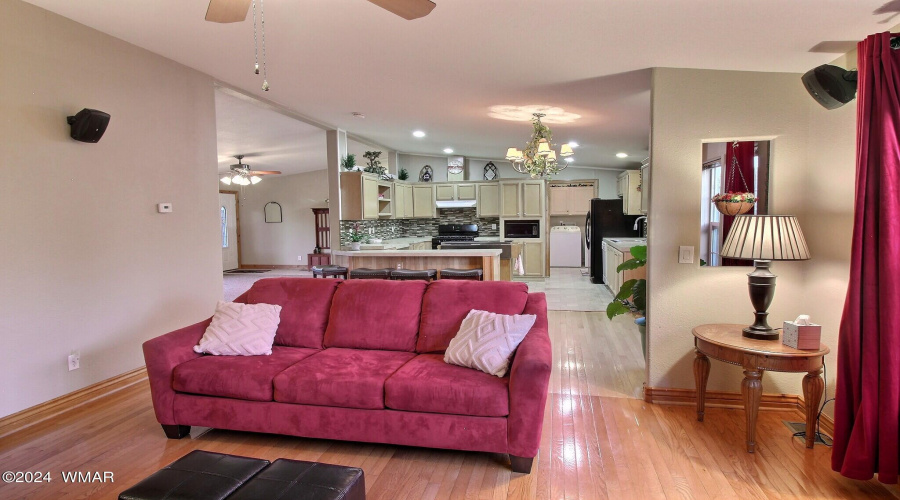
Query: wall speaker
column 830, row 86
column 88, row 125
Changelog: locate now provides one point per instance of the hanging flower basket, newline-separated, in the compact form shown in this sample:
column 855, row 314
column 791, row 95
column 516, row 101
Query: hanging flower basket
column 734, row 203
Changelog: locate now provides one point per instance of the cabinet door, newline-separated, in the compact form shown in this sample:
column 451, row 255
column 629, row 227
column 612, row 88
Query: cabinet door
column 632, row 197
column 444, row 192
column 559, row 200
column 423, row 202
column 509, row 199
column 620, row 183
column 488, row 204
column 533, row 199
column 465, row 192
column 580, row 200
column 645, row 188
column 533, row 258
column 370, row 198
column 399, row 201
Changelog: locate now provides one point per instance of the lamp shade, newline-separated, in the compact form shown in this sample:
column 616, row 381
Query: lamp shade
column 765, row 237
column 566, row 150
column 543, row 148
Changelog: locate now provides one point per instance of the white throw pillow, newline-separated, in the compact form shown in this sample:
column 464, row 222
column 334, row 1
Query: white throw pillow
column 486, row 340
column 241, row 330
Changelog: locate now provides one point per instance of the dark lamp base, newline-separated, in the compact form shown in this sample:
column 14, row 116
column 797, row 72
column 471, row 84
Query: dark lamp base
column 750, row 333
column 762, row 290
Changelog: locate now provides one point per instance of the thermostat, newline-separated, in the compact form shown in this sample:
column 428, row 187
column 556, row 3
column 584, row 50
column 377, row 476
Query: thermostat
column 164, row 208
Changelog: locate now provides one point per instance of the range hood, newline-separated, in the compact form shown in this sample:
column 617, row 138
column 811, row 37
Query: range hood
column 455, row 204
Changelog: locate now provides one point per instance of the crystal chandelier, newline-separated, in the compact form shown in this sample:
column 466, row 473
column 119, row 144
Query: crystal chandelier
column 539, row 159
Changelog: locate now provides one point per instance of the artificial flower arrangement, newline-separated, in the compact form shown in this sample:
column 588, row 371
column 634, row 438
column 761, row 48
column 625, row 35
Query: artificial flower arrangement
column 732, row 203
column 356, row 234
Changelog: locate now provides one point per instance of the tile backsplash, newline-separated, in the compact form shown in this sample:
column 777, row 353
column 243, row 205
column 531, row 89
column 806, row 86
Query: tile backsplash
column 422, row 227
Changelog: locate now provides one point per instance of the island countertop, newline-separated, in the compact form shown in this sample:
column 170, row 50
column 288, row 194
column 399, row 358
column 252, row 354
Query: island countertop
column 468, row 252
column 486, row 259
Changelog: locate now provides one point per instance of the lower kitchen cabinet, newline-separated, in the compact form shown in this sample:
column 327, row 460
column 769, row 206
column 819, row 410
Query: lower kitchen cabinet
column 533, row 258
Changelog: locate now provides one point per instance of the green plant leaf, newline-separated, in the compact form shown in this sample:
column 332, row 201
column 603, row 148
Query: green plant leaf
column 616, row 308
column 625, row 290
column 639, row 295
column 630, row 264
column 639, row 252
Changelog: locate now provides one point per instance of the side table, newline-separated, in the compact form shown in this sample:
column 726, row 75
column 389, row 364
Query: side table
column 725, row 342
column 318, row 260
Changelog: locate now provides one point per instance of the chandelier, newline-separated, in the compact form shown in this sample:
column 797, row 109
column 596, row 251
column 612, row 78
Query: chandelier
column 539, row 159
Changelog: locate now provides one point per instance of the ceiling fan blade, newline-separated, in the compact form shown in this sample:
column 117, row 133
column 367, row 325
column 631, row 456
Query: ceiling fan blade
column 265, row 172
column 407, row 9
column 227, row 11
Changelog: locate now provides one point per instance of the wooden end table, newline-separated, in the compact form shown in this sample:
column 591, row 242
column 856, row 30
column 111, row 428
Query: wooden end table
column 724, row 342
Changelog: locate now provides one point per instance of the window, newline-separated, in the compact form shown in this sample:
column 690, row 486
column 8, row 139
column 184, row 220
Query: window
column 224, row 214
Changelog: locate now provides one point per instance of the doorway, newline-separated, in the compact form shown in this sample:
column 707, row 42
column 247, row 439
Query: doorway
column 229, row 218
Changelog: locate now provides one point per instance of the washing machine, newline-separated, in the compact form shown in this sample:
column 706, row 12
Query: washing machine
column 565, row 246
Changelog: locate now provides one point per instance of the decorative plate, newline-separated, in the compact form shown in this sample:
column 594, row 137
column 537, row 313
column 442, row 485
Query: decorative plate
column 490, row 171
column 426, row 174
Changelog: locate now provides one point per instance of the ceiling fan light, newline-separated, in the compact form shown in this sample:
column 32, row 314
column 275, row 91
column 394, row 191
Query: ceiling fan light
column 226, row 180
column 255, row 179
column 566, row 150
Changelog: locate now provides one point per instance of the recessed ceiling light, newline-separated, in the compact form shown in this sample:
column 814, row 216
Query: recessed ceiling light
column 570, row 159
column 448, row 150
column 621, row 155
column 357, row 114
column 418, row 133
column 573, row 144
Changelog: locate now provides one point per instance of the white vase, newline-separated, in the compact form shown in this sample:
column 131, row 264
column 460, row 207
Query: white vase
column 355, row 245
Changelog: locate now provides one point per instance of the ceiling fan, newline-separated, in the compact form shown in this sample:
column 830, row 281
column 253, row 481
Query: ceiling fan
column 242, row 175
column 235, row 11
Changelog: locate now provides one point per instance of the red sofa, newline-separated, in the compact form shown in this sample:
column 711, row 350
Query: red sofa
column 361, row 360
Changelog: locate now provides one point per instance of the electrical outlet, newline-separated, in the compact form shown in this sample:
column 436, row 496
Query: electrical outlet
column 74, row 360
column 493, row 226
column 371, row 230
column 685, row 255
column 164, row 208
column 299, row 258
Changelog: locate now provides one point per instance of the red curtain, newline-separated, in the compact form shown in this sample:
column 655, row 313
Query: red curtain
column 744, row 153
column 867, row 405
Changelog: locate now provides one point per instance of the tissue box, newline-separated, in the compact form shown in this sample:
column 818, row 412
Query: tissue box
column 807, row 337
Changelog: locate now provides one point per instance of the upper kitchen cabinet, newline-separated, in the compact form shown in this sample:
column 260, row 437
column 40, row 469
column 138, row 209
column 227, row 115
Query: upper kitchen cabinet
column 445, row 192
column 423, row 201
column 403, row 201
column 465, row 192
column 571, row 197
column 488, row 199
column 365, row 196
column 645, row 186
column 454, row 191
column 522, row 199
column 628, row 187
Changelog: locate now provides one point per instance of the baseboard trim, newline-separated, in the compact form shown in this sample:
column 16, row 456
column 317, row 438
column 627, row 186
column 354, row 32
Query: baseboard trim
column 67, row 402
column 725, row 399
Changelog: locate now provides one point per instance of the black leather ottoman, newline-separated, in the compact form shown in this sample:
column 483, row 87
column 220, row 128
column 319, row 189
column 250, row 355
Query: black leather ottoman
column 293, row 479
column 200, row 475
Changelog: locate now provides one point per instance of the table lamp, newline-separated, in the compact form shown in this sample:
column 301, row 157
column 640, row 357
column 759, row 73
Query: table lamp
column 762, row 239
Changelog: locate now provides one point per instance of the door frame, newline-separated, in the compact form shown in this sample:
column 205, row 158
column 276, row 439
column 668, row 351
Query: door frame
column 237, row 221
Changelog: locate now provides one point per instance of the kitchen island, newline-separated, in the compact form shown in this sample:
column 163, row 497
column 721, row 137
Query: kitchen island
column 488, row 260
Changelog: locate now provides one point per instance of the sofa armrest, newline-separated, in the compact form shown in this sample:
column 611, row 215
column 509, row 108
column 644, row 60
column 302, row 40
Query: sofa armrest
column 529, row 381
column 162, row 355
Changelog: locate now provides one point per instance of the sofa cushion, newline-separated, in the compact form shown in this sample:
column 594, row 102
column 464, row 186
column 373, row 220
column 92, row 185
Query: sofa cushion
column 375, row 314
column 447, row 302
column 486, row 341
column 349, row 378
column 240, row 377
column 305, row 304
column 240, row 330
column 427, row 384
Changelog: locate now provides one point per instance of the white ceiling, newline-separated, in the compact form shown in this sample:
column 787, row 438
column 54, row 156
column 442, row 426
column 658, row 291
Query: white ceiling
column 443, row 73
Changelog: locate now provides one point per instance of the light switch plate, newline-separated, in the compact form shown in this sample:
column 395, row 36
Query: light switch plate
column 164, row 208
column 685, row 255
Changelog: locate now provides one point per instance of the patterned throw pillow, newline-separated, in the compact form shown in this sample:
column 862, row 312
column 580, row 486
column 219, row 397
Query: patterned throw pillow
column 486, row 340
column 241, row 330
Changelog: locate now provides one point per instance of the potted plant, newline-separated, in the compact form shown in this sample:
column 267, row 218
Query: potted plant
column 403, row 174
column 731, row 203
column 357, row 237
column 348, row 162
column 635, row 290
column 374, row 165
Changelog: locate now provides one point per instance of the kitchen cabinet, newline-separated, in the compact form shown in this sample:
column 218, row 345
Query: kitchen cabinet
column 423, row 201
column 627, row 187
column 454, row 191
column 365, row 196
column 465, row 192
column 522, row 199
column 403, row 201
column 444, row 192
column 571, row 197
column 488, row 199
column 645, row 186
column 614, row 279
column 533, row 258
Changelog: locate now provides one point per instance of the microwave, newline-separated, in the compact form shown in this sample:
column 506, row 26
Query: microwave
column 522, row 229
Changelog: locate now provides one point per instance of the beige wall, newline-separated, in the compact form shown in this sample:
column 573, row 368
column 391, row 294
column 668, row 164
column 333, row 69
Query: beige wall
column 812, row 176
column 279, row 244
column 86, row 263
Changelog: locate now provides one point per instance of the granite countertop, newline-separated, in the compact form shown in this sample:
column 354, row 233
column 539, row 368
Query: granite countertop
column 624, row 243
column 468, row 252
column 395, row 243
column 489, row 238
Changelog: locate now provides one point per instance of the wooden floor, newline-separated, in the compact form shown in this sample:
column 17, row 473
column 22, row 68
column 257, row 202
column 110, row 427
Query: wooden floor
column 599, row 441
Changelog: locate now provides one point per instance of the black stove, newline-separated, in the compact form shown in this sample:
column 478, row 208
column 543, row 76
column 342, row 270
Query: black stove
column 454, row 232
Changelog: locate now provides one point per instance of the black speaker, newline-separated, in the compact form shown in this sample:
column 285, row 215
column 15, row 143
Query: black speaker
column 830, row 86
column 88, row 125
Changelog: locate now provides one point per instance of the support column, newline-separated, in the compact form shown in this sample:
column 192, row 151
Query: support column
column 336, row 148
column 393, row 162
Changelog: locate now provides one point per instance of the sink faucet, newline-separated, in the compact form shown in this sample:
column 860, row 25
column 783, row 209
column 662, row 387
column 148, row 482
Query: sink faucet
column 637, row 223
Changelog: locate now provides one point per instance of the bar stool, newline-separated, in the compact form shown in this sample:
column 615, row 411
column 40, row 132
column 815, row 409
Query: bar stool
column 364, row 273
column 462, row 274
column 329, row 271
column 414, row 274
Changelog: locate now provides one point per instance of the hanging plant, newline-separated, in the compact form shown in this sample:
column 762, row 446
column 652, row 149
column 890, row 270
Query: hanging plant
column 733, row 203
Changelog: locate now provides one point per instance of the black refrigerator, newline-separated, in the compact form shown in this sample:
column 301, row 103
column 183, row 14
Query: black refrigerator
column 606, row 219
